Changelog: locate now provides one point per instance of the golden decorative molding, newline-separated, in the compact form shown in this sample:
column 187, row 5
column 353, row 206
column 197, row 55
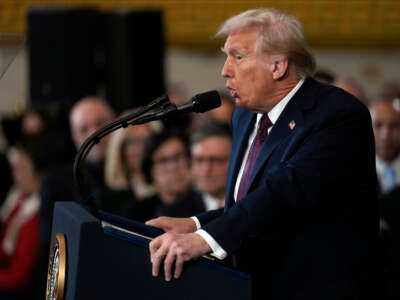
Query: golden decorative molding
column 328, row 23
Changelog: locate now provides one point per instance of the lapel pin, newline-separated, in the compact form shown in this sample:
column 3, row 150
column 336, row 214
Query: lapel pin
column 292, row 124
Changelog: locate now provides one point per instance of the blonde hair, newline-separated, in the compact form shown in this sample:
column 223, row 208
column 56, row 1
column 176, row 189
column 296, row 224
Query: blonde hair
column 116, row 173
column 279, row 33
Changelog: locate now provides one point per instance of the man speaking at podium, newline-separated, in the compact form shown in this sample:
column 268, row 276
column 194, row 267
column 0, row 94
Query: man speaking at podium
column 301, row 208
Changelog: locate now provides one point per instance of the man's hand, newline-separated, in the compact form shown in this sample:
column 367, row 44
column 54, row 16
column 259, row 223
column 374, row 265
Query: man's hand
column 176, row 248
column 177, row 225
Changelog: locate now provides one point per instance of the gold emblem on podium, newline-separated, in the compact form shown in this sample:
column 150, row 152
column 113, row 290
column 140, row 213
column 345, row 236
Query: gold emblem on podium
column 56, row 271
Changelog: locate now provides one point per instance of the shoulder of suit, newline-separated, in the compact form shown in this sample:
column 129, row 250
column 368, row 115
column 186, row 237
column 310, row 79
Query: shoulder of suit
column 338, row 100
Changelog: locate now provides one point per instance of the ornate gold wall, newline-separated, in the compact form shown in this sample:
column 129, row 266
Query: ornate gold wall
column 339, row 23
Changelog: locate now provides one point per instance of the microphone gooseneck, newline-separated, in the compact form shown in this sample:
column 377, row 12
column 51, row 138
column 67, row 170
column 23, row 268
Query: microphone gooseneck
column 159, row 108
column 200, row 103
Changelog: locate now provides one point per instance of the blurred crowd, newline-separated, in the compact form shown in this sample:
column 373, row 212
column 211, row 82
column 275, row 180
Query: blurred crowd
column 172, row 167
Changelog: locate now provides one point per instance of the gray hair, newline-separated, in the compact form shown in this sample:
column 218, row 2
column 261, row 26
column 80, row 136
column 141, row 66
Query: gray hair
column 279, row 33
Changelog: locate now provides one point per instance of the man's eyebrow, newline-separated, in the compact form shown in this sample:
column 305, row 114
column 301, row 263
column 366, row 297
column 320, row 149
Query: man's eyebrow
column 232, row 50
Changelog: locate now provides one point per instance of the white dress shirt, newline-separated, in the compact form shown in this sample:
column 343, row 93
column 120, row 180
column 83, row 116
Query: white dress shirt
column 273, row 114
column 381, row 167
column 210, row 202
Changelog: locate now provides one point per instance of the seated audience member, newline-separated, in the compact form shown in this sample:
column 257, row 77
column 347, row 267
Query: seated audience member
column 165, row 164
column 86, row 116
column 35, row 121
column 7, row 181
column 210, row 150
column 352, row 87
column 5, row 168
column 50, row 119
column 123, row 171
column 386, row 124
column 20, row 237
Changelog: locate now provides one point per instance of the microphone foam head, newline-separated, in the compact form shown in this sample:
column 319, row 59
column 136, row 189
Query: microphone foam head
column 206, row 101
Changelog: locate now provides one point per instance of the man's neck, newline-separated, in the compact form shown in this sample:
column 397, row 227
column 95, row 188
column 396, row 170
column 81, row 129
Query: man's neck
column 283, row 88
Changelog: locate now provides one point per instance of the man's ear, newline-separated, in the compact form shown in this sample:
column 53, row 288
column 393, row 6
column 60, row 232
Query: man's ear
column 279, row 68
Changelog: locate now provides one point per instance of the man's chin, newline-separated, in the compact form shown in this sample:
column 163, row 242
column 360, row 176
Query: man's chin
column 240, row 103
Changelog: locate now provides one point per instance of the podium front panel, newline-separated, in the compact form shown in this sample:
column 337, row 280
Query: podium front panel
column 108, row 265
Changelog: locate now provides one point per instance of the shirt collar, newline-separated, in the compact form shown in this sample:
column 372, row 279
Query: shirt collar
column 211, row 202
column 276, row 111
column 381, row 165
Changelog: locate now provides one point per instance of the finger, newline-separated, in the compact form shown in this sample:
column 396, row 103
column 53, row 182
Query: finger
column 178, row 266
column 157, row 253
column 153, row 222
column 154, row 246
column 156, row 260
column 168, row 263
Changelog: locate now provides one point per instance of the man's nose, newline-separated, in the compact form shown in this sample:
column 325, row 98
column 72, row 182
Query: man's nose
column 226, row 70
column 206, row 166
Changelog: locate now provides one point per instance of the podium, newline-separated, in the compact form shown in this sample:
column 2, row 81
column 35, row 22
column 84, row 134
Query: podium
column 108, row 258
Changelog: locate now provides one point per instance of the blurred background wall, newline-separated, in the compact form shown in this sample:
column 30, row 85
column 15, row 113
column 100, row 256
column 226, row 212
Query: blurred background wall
column 351, row 39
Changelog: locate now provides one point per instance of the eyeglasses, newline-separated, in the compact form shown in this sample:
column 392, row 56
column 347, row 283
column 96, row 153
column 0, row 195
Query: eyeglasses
column 165, row 160
column 214, row 160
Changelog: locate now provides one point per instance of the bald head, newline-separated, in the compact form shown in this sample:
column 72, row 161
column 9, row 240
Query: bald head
column 386, row 124
column 86, row 117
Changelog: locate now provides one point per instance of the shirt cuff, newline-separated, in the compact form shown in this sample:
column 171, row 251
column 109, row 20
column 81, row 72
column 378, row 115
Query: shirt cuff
column 218, row 251
column 198, row 225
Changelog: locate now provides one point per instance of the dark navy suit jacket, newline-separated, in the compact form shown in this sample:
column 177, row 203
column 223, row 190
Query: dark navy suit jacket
column 308, row 226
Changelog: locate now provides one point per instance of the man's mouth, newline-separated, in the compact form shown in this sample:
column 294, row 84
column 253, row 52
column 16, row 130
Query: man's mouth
column 234, row 94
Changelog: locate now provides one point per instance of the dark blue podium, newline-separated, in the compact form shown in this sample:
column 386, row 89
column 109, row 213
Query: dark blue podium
column 108, row 258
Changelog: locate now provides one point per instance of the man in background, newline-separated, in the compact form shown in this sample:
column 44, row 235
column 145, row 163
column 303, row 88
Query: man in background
column 385, row 114
column 210, row 150
column 86, row 116
column 386, row 123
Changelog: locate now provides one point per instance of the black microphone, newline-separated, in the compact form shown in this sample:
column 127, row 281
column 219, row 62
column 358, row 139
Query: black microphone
column 199, row 103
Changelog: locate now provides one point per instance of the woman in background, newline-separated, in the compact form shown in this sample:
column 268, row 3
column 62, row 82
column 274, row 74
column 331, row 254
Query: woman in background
column 19, row 214
column 166, row 164
column 123, row 173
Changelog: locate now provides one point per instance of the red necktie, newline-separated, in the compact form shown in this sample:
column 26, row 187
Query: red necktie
column 261, row 136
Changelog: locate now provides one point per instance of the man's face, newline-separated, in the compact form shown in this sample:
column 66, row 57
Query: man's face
column 87, row 118
column 386, row 124
column 249, row 75
column 210, row 158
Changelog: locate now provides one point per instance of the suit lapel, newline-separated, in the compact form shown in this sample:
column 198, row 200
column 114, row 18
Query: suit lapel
column 279, row 132
column 292, row 114
column 303, row 100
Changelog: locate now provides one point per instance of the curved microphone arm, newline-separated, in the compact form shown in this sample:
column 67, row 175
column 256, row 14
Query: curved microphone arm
column 131, row 119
